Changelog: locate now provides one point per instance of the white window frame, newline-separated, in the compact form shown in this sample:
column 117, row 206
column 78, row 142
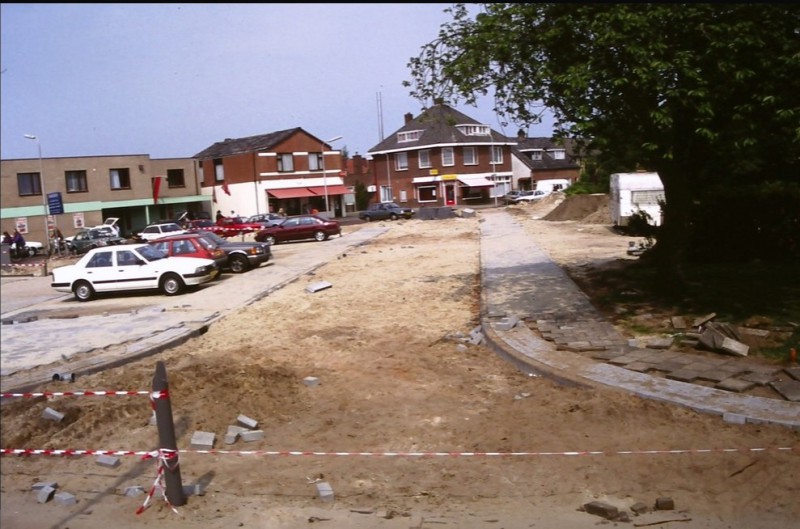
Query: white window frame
column 424, row 159
column 558, row 154
column 448, row 157
column 219, row 170
column 536, row 155
column 475, row 130
column 470, row 155
column 285, row 163
column 409, row 135
column 386, row 194
column 401, row 161
column 496, row 154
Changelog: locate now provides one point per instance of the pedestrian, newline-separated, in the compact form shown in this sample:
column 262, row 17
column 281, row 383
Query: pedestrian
column 281, row 212
column 220, row 215
column 7, row 238
column 18, row 239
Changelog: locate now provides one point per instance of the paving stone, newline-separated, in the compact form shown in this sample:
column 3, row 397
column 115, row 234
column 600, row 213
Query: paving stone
column 52, row 415
column 134, row 491
column 793, row 372
column 789, row 389
column 599, row 508
column 319, row 285
column 250, row 436
column 202, row 440
column 683, row 375
column 65, row 498
column 105, row 460
column 247, row 422
column 762, row 379
column 44, row 494
column 325, row 491
column 641, row 367
column 714, row 375
column 734, row 384
column 42, row 484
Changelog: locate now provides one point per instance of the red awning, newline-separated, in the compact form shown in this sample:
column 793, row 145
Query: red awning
column 336, row 189
column 293, row 192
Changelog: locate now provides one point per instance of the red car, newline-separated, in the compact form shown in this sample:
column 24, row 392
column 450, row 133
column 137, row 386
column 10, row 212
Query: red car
column 192, row 245
column 299, row 228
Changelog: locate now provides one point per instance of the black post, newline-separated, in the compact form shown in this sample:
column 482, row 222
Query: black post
column 166, row 438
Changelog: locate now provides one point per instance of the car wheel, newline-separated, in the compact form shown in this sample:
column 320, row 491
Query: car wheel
column 31, row 252
column 367, row 218
column 172, row 284
column 271, row 240
column 238, row 264
column 320, row 236
column 394, row 216
column 83, row 291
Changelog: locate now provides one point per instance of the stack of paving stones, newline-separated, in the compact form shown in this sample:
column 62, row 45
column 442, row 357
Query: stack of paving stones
column 603, row 342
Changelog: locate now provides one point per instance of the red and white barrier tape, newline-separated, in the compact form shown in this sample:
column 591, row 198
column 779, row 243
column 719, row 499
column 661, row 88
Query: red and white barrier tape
column 162, row 458
column 152, row 394
column 73, row 452
column 41, row 263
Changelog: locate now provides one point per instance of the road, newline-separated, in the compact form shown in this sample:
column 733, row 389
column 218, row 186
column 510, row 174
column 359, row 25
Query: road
column 47, row 333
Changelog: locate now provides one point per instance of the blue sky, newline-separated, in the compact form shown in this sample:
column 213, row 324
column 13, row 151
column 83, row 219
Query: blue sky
column 169, row 80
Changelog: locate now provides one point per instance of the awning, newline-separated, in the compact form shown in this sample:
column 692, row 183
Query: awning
column 475, row 181
column 292, row 192
column 424, row 179
column 334, row 189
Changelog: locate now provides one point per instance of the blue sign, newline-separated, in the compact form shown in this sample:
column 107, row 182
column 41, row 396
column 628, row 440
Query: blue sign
column 54, row 203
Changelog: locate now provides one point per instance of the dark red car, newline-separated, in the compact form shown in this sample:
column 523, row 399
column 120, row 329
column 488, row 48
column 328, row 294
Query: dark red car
column 231, row 226
column 299, row 228
column 192, row 245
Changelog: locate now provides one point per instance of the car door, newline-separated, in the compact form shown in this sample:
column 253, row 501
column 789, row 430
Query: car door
column 102, row 273
column 133, row 272
column 290, row 230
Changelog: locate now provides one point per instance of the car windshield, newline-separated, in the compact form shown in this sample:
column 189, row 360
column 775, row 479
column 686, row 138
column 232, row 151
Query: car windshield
column 391, row 205
column 216, row 239
column 151, row 253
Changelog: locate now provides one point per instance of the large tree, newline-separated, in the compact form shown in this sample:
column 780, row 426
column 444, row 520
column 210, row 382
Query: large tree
column 704, row 94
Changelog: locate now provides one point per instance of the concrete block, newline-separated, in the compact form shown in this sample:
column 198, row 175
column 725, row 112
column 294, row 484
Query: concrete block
column 233, row 433
column 665, row 504
column 52, row 415
column 639, row 507
column 195, row 489
column 506, row 324
column 251, row 435
column 734, row 418
column 325, row 491
column 202, row 440
column 133, row 491
column 42, row 484
column 734, row 347
column 44, row 494
column 247, row 422
column 65, row 498
column 319, row 285
column 311, row 381
column 108, row 461
column 599, row 508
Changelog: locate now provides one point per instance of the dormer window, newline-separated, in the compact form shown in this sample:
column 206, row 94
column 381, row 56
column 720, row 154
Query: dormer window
column 536, row 154
column 411, row 135
column 557, row 154
column 474, row 130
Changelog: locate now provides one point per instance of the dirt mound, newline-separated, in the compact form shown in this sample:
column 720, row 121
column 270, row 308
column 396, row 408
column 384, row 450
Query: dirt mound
column 590, row 209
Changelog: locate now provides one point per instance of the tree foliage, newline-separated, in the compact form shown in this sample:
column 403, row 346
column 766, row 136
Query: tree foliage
column 707, row 95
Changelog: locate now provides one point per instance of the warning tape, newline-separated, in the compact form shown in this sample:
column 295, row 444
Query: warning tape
column 152, row 394
column 41, row 263
column 162, row 457
column 73, row 452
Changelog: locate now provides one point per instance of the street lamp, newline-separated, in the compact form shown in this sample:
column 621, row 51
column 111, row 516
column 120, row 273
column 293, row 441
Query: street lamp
column 41, row 184
column 324, row 174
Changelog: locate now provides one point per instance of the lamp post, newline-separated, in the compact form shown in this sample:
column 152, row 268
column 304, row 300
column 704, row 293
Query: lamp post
column 41, row 184
column 324, row 174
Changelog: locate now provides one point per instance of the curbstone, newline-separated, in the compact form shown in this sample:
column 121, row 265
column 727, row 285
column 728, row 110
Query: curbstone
column 251, row 435
column 203, row 440
column 247, row 422
column 65, row 498
column 325, row 491
column 52, row 415
column 108, row 461
column 44, row 494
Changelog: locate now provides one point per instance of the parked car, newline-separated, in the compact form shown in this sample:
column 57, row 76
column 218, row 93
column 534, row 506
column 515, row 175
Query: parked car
column 241, row 256
column 298, row 228
column 127, row 267
column 200, row 225
column 530, row 196
column 385, row 210
column 232, row 226
column 191, row 245
column 89, row 238
column 512, row 196
column 156, row 231
column 265, row 219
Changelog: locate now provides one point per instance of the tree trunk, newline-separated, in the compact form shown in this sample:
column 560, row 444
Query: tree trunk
column 671, row 251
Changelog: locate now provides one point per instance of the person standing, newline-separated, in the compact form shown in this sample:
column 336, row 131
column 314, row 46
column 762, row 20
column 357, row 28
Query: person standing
column 220, row 215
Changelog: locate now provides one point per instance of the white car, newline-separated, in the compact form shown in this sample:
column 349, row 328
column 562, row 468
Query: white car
column 530, row 196
column 131, row 267
column 157, row 231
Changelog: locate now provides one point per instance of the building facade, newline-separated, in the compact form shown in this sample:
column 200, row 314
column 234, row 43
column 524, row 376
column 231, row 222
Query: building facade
column 441, row 158
column 290, row 170
column 74, row 192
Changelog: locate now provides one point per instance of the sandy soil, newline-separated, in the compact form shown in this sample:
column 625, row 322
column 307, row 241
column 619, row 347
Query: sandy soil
column 394, row 374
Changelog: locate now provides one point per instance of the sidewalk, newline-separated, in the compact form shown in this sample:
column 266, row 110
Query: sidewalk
column 523, row 288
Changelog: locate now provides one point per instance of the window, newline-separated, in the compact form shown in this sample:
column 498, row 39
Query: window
column 285, row 163
column 386, row 194
column 120, row 178
column 474, row 130
column 536, row 155
column 496, row 154
column 401, row 161
column 411, row 135
column 558, row 154
column 424, row 159
column 100, row 260
column 175, row 178
column 219, row 170
column 470, row 156
column 426, row 193
column 315, row 161
column 29, row 184
column 447, row 156
column 76, row 181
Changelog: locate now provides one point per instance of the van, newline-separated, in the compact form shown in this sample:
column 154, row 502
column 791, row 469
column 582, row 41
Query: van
column 552, row 185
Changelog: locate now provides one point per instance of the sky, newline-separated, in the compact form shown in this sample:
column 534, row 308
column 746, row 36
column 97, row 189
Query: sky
column 170, row 80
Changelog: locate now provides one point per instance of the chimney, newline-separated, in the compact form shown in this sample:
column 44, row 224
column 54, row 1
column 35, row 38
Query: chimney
column 409, row 116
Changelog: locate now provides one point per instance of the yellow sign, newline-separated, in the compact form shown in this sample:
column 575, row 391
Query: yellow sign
column 433, row 172
column 449, row 177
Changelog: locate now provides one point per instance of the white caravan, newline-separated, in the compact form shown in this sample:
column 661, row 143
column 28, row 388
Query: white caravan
column 632, row 193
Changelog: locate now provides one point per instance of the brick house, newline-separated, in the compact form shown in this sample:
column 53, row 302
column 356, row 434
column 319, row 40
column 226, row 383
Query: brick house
column 538, row 159
column 441, row 158
column 289, row 169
